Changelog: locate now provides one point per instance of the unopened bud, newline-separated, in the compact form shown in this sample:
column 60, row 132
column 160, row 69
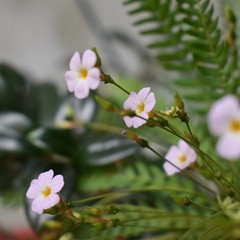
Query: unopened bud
column 179, row 102
column 93, row 210
column 140, row 141
column 113, row 210
column 99, row 226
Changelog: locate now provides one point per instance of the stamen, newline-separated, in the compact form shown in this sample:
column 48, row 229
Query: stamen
column 83, row 72
column 140, row 108
column 182, row 158
column 235, row 126
column 46, row 192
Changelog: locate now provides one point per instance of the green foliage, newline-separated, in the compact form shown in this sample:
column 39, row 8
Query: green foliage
column 188, row 40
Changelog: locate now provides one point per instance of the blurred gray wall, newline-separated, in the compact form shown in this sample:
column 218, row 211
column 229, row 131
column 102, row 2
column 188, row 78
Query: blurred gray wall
column 38, row 37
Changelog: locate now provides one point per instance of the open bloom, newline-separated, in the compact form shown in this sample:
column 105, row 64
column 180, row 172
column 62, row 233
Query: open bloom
column 141, row 103
column 180, row 156
column 83, row 74
column 224, row 122
column 44, row 191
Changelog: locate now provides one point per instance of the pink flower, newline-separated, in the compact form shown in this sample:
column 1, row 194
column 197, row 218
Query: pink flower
column 83, row 74
column 181, row 156
column 141, row 103
column 44, row 191
column 224, row 122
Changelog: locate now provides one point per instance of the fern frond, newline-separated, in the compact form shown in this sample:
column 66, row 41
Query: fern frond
column 190, row 42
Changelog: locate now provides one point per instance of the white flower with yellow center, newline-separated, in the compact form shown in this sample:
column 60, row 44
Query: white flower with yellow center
column 224, row 122
column 83, row 74
column 44, row 191
column 180, row 156
column 141, row 103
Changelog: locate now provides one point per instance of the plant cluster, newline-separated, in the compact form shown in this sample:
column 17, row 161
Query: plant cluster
column 127, row 166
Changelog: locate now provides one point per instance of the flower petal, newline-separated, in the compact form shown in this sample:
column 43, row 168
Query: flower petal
column 137, row 122
column 50, row 201
column 143, row 93
column 228, row 146
column 45, row 177
column 89, row 58
column 173, row 154
column 57, row 183
column 150, row 102
column 131, row 101
column 75, row 62
column 37, row 205
column 93, row 78
column 221, row 113
column 169, row 169
column 34, row 190
column 81, row 90
column 71, row 78
column 128, row 121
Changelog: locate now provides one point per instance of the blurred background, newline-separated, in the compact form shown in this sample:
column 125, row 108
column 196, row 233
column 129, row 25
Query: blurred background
column 39, row 37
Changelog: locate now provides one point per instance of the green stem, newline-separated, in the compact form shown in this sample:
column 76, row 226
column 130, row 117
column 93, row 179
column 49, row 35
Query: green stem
column 76, row 203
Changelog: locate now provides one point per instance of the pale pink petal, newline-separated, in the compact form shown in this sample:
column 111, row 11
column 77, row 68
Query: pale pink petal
column 128, row 121
column 57, row 184
column 50, row 201
column 143, row 94
column 221, row 113
column 37, row 205
column 75, row 62
column 228, row 146
column 131, row 101
column 71, row 79
column 93, row 78
column 93, row 83
column 183, row 146
column 173, row 154
column 143, row 115
column 169, row 169
column 81, row 90
column 45, row 177
column 94, row 73
column 34, row 190
column 89, row 59
column 150, row 102
column 137, row 122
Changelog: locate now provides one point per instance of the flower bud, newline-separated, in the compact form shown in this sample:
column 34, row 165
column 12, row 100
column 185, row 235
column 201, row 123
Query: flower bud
column 113, row 210
column 93, row 210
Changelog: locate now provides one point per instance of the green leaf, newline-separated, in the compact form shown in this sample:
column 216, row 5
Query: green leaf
column 53, row 140
column 108, row 149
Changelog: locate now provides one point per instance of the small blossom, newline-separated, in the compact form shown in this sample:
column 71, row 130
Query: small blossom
column 83, row 74
column 181, row 156
column 141, row 103
column 224, row 122
column 44, row 191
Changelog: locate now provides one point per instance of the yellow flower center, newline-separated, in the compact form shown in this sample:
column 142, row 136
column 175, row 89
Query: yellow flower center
column 46, row 192
column 140, row 108
column 235, row 126
column 182, row 158
column 83, row 72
